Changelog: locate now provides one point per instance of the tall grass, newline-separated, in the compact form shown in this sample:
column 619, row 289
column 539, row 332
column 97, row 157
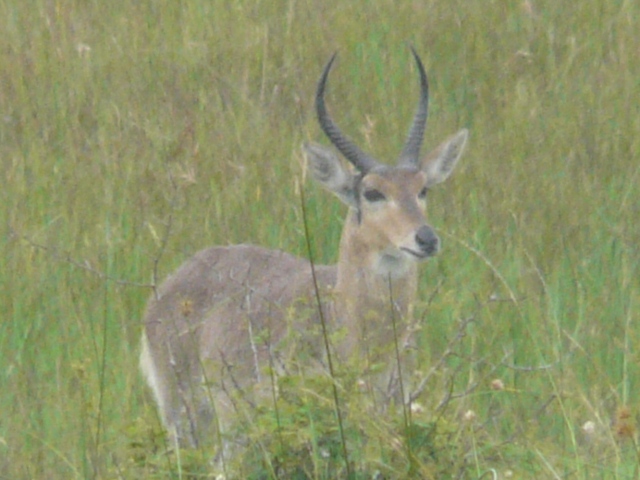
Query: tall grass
column 135, row 133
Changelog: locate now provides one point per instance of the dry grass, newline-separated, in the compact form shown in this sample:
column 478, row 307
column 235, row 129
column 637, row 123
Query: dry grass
column 134, row 133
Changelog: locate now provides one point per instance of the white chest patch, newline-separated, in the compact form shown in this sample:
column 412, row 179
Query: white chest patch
column 393, row 263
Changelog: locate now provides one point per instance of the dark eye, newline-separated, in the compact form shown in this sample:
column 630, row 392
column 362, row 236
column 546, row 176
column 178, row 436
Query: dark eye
column 423, row 193
column 373, row 195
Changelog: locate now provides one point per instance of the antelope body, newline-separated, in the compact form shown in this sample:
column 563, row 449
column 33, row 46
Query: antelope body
column 224, row 316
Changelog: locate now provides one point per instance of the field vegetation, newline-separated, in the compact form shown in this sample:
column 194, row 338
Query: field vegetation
column 133, row 134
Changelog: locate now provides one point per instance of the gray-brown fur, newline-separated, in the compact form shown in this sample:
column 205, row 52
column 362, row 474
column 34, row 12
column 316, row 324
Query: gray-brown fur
column 224, row 310
column 231, row 314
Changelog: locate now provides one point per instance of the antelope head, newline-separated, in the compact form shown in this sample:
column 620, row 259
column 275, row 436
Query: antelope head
column 387, row 202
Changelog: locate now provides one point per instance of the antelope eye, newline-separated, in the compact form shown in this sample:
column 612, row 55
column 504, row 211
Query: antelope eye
column 373, row 195
column 423, row 193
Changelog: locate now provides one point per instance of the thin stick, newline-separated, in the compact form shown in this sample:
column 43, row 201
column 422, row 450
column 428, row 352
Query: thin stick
column 325, row 335
column 406, row 407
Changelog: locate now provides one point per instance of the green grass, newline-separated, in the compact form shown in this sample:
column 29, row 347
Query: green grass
column 135, row 133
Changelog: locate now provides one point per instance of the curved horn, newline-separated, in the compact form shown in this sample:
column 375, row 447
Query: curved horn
column 350, row 150
column 411, row 152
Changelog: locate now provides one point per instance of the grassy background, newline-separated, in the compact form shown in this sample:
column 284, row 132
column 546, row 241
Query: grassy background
column 133, row 134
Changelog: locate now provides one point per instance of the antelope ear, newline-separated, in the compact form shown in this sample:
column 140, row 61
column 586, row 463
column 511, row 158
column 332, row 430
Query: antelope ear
column 327, row 169
column 439, row 164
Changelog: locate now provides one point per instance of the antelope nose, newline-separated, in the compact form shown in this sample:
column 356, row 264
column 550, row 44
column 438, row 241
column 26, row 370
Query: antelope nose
column 427, row 240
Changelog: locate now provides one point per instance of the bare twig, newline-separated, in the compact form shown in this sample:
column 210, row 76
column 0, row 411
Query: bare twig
column 471, row 388
column 86, row 265
column 81, row 264
column 167, row 233
column 325, row 334
column 461, row 333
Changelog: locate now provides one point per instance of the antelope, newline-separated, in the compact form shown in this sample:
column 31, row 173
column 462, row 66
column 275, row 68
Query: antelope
column 216, row 325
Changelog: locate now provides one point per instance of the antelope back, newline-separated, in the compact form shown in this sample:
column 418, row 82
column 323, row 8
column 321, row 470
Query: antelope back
column 217, row 323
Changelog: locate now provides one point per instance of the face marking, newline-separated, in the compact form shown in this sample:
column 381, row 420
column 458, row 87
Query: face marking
column 388, row 202
column 392, row 218
column 373, row 195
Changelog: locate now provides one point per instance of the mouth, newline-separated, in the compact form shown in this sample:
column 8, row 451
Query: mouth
column 418, row 255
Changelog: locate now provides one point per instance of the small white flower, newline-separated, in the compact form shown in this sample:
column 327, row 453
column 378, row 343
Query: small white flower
column 469, row 416
column 589, row 428
column 497, row 384
column 82, row 49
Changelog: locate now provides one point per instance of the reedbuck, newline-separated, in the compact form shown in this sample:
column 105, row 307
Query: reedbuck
column 217, row 329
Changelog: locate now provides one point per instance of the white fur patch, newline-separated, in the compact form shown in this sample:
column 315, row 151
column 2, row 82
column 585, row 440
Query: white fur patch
column 148, row 368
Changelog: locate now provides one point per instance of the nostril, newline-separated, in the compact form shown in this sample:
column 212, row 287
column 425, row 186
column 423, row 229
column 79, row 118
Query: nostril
column 427, row 240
